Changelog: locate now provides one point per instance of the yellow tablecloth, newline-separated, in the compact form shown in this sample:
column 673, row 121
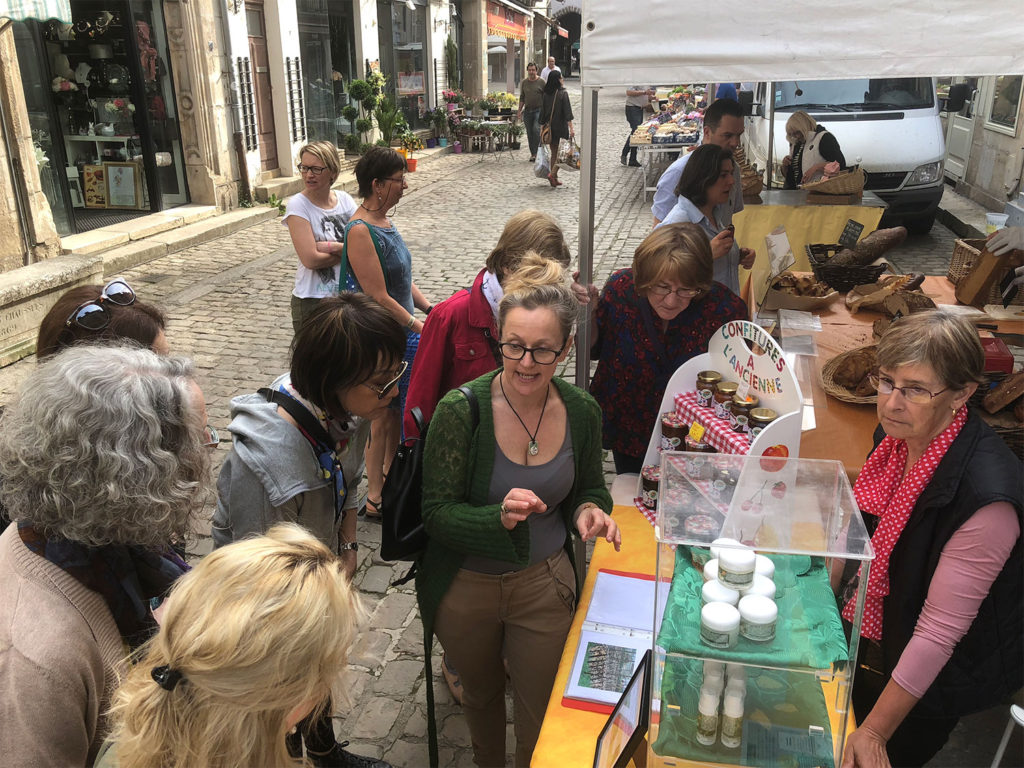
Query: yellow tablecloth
column 804, row 224
column 568, row 736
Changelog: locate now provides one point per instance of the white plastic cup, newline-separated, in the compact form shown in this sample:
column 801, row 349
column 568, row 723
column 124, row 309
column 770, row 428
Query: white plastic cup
column 994, row 222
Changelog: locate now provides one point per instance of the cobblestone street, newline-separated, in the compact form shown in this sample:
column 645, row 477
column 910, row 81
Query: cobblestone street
column 227, row 303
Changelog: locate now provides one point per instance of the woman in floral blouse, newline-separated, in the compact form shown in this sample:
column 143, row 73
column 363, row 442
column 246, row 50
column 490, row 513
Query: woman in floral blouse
column 651, row 319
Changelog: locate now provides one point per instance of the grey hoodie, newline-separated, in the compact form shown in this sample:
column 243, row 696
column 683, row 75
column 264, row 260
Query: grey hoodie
column 272, row 475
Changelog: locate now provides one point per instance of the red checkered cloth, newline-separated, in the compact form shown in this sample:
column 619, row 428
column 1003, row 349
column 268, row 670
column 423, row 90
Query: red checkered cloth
column 650, row 514
column 719, row 433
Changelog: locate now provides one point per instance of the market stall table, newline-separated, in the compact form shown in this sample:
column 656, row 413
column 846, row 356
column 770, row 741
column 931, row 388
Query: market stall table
column 647, row 155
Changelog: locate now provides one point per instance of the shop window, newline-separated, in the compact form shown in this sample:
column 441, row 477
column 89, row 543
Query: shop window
column 1004, row 108
column 402, row 37
column 247, row 104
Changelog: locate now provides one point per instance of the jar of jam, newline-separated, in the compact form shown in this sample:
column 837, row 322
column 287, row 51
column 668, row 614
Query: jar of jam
column 741, row 407
column 706, row 381
column 650, row 479
column 673, row 429
column 759, row 419
column 695, row 446
column 724, row 393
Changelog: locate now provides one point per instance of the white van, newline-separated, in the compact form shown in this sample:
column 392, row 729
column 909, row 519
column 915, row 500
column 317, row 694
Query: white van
column 888, row 126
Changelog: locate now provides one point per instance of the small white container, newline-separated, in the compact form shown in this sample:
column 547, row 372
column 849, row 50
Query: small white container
column 707, row 716
column 995, row 222
column 736, row 567
column 718, row 544
column 732, row 719
column 719, row 625
column 711, row 569
column 736, row 684
column 735, row 672
column 761, row 585
column 764, row 566
column 715, row 591
column 757, row 618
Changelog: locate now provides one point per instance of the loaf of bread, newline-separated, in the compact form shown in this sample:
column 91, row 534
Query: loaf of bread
column 1009, row 389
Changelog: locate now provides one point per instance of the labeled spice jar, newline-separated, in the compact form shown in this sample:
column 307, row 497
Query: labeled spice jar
column 673, row 430
column 758, row 615
column 706, row 381
column 724, row 393
column 759, row 419
column 736, row 567
column 650, row 478
column 719, row 625
column 741, row 408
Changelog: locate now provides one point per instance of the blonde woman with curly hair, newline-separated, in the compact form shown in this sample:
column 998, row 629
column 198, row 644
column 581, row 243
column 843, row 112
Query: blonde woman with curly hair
column 497, row 580
column 252, row 640
column 105, row 463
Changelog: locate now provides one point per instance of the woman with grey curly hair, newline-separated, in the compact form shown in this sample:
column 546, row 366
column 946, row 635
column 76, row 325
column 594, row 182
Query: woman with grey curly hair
column 105, row 463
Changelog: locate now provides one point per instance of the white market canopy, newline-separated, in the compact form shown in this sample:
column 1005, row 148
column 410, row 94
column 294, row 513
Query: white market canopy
column 666, row 42
column 671, row 41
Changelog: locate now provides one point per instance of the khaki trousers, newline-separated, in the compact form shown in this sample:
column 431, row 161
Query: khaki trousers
column 521, row 617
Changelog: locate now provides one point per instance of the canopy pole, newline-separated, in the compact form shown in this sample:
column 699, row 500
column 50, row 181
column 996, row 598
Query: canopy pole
column 588, row 177
column 771, row 130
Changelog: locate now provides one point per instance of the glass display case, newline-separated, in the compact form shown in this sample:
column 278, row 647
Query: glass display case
column 756, row 668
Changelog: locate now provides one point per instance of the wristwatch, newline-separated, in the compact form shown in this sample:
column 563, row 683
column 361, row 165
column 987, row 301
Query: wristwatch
column 353, row 545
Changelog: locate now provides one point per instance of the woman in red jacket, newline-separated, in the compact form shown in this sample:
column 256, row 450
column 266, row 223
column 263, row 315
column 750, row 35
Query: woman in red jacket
column 459, row 341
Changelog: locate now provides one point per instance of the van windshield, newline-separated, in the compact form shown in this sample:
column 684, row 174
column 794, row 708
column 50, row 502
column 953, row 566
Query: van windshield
column 855, row 95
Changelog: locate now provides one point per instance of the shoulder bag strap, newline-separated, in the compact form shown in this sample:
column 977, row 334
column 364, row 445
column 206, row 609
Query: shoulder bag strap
column 343, row 272
column 311, row 426
column 474, row 405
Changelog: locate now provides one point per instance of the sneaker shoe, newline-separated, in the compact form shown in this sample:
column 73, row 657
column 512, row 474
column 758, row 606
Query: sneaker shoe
column 622, row 159
column 635, row 164
column 533, row 158
column 342, row 758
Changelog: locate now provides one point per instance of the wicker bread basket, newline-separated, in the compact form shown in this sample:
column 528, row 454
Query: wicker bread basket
column 838, row 391
column 849, row 182
column 841, row 277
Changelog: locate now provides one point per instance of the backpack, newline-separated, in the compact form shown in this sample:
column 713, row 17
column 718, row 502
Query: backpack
column 403, row 536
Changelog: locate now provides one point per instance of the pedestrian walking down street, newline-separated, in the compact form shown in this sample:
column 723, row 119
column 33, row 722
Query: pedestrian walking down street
column 531, row 99
column 380, row 265
column 556, row 116
column 637, row 99
column 551, row 67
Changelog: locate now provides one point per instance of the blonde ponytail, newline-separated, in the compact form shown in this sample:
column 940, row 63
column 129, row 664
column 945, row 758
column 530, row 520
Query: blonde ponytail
column 541, row 282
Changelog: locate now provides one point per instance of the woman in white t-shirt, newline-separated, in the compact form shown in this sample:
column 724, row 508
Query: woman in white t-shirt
column 316, row 220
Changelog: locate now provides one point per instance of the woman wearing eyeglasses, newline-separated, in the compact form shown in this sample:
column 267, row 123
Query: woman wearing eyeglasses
column 703, row 198
column 943, row 633
column 497, row 579
column 299, row 447
column 377, row 262
column 104, row 465
column 650, row 319
column 316, row 220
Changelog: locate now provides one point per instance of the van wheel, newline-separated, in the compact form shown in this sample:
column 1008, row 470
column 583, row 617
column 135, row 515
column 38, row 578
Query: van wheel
column 920, row 226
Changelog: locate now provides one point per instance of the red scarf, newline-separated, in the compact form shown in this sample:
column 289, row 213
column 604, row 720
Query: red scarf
column 882, row 490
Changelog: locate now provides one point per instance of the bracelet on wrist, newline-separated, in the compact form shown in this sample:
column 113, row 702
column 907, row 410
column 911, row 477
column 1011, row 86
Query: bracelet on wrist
column 428, row 310
column 411, row 321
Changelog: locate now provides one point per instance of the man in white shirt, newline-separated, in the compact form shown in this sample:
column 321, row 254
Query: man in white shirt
column 723, row 125
column 551, row 67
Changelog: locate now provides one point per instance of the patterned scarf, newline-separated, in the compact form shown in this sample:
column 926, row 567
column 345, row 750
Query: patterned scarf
column 492, row 291
column 882, row 490
column 125, row 577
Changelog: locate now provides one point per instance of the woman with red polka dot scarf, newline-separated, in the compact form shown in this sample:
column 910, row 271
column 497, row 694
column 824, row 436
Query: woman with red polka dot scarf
column 942, row 634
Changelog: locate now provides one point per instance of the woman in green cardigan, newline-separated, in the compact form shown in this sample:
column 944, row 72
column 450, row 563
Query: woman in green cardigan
column 497, row 581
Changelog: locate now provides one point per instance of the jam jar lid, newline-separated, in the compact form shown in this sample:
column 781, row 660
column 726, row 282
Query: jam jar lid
column 726, row 388
column 651, row 472
column 750, row 401
column 709, row 377
column 763, row 414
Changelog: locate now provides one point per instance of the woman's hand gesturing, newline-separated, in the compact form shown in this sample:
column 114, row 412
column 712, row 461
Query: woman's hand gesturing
column 593, row 521
column 518, row 505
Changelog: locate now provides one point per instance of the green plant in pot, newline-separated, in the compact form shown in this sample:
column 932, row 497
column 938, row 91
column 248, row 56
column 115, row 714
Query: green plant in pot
column 439, row 119
column 516, row 130
column 390, row 120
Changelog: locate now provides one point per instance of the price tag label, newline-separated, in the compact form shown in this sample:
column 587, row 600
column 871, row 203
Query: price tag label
column 743, row 390
column 851, row 233
column 697, row 431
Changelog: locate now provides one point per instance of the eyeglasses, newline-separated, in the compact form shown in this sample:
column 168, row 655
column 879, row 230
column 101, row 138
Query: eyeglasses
column 662, row 291
column 918, row 395
column 541, row 355
column 94, row 315
column 399, row 180
column 383, row 392
column 212, row 437
column 316, row 170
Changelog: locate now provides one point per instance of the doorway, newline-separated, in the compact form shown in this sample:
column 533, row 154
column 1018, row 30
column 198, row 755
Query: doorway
column 256, row 26
column 960, row 133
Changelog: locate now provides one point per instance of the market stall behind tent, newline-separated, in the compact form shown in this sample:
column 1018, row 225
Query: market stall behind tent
column 736, row 41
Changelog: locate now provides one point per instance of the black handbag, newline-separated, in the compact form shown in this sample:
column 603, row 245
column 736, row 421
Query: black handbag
column 402, row 535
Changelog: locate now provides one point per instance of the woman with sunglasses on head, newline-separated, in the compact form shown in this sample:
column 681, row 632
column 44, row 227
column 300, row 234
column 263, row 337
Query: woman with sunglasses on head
column 299, row 446
column 105, row 462
column 316, row 220
column 497, row 580
column 251, row 641
column 650, row 319
column 943, row 628
column 379, row 264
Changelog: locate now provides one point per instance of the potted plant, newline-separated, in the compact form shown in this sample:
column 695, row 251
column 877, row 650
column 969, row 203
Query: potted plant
column 487, row 105
column 466, row 102
column 410, row 143
column 439, row 119
column 451, row 99
column 390, row 120
column 516, row 130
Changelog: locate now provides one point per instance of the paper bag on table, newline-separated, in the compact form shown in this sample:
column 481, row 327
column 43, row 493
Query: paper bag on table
column 780, row 257
column 976, row 286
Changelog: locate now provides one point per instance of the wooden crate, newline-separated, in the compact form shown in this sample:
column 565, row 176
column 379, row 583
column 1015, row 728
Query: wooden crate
column 965, row 255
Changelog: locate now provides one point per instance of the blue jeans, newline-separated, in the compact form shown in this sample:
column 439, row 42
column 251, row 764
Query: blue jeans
column 634, row 116
column 531, row 119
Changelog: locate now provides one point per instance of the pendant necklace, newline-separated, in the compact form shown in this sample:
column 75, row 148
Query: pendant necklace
column 532, row 448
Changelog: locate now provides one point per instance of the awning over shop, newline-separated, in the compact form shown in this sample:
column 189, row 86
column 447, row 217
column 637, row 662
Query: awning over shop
column 504, row 21
column 19, row 10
